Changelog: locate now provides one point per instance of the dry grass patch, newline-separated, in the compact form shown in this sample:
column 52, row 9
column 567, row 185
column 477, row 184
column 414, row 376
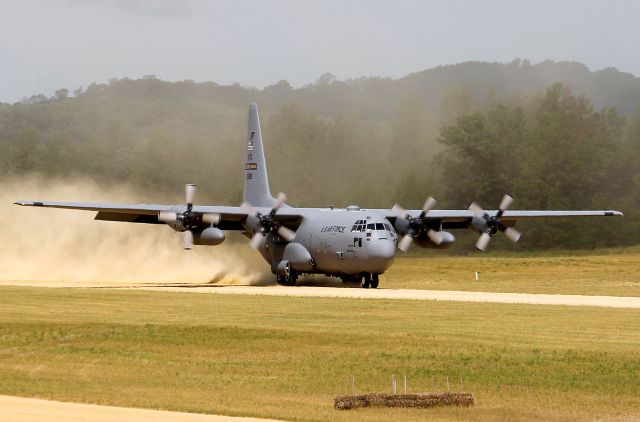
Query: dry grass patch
column 287, row 358
column 609, row 274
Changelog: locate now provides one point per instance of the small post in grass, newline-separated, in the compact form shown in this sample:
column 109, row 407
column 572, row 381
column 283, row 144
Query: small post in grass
column 405, row 383
column 477, row 275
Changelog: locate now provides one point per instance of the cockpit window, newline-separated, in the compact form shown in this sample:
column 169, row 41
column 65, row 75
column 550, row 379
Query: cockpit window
column 371, row 226
column 388, row 227
column 359, row 226
column 380, row 226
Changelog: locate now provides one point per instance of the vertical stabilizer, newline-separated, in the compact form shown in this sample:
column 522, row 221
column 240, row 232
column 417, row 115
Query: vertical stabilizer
column 256, row 182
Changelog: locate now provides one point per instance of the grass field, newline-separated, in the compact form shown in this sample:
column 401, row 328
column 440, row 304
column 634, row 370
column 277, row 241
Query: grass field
column 286, row 357
column 606, row 272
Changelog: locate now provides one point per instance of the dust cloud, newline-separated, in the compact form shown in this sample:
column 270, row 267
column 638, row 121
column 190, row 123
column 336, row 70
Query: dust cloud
column 69, row 246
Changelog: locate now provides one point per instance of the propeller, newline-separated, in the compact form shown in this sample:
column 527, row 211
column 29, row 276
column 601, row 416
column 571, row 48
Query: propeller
column 488, row 225
column 415, row 225
column 266, row 224
column 188, row 220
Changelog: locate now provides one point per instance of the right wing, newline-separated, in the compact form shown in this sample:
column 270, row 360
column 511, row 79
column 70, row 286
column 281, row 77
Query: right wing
column 231, row 218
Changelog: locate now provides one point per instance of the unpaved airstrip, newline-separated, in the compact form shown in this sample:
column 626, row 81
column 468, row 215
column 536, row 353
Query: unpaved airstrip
column 18, row 409
column 359, row 293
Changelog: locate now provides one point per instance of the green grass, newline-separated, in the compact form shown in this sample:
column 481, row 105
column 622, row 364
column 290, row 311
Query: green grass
column 288, row 357
column 598, row 273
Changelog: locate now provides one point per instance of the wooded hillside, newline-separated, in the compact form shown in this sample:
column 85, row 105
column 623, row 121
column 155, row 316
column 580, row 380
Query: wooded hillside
column 554, row 135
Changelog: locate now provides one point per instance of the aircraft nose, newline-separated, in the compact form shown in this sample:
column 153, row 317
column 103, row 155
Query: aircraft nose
column 382, row 252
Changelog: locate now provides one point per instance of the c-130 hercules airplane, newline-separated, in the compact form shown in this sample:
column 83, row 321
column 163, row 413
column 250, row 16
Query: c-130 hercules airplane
column 352, row 243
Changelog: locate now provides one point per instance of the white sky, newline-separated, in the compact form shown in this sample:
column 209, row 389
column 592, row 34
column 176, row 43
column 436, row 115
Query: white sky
column 51, row 44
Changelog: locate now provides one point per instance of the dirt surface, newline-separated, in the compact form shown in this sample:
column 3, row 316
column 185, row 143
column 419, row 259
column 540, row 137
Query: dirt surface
column 359, row 293
column 18, row 409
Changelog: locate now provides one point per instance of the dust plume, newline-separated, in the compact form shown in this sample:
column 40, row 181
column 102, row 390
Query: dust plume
column 69, row 246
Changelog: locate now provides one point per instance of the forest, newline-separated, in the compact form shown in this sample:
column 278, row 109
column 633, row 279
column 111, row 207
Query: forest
column 554, row 135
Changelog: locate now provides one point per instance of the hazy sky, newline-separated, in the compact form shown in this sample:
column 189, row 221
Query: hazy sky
column 51, row 44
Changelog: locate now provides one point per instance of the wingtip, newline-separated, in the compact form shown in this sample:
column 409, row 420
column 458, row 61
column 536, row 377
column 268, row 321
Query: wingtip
column 614, row 213
column 28, row 203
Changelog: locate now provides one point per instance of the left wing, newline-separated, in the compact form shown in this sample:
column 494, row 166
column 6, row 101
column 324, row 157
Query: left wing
column 458, row 219
column 416, row 224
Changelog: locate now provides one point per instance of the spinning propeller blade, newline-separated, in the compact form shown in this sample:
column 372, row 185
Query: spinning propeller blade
column 416, row 225
column 264, row 224
column 488, row 225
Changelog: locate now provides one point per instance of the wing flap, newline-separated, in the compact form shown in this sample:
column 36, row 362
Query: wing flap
column 127, row 217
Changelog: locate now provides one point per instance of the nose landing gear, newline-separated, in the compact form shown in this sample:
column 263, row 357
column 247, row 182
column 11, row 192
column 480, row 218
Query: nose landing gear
column 369, row 280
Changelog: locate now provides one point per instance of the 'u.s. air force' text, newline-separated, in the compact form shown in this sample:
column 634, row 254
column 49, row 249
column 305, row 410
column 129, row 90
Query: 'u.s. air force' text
column 335, row 229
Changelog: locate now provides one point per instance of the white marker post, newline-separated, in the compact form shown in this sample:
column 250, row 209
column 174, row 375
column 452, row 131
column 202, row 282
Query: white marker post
column 477, row 275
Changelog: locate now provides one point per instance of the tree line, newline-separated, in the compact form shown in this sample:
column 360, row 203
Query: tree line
column 370, row 142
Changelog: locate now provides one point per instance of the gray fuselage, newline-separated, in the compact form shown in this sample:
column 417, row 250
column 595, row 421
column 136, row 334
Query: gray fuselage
column 339, row 242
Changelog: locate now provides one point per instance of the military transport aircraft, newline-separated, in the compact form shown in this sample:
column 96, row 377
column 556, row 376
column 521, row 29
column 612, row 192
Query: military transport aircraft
column 352, row 243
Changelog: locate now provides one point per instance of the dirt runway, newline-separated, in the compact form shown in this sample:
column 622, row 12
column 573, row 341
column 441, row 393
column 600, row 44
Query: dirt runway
column 358, row 293
column 408, row 294
column 18, row 409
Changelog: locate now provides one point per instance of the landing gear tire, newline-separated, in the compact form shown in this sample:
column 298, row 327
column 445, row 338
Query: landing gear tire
column 365, row 280
column 289, row 278
column 374, row 281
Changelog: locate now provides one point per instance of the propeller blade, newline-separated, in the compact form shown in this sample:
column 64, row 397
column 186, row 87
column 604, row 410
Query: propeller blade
column 398, row 211
column 187, row 240
column 483, row 241
column 504, row 204
column 256, row 241
column 405, row 243
column 250, row 209
column 189, row 192
column 429, row 204
column 212, row 219
column 476, row 209
column 280, row 198
column 435, row 236
column 512, row 234
column 286, row 233
column 168, row 216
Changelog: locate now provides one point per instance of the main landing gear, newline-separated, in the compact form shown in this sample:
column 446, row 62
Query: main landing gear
column 289, row 278
column 369, row 280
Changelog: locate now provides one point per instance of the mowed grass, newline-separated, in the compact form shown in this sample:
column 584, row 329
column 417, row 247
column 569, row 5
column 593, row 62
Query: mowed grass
column 609, row 273
column 287, row 358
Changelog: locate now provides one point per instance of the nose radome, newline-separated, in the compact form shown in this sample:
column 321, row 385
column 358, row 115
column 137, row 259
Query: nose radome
column 381, row 254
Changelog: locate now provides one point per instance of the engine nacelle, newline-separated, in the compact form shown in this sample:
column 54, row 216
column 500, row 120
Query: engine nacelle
column 447, row 241
column 479, row 225
column 210, row 236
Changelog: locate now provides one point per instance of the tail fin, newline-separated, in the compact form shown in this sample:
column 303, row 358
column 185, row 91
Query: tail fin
column 256, row 182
